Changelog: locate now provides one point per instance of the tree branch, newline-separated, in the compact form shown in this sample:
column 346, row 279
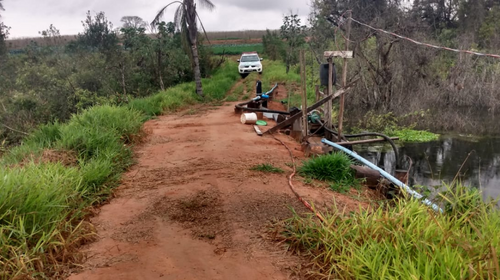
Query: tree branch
column 15, row 130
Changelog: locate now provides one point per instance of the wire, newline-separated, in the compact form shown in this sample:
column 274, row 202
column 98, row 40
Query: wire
column 425, row 44
column 306, row 204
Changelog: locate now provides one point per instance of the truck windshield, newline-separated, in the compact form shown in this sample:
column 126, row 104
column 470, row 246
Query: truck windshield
column 250, row 58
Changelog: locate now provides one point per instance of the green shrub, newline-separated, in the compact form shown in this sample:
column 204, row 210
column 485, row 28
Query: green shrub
column 332, row 168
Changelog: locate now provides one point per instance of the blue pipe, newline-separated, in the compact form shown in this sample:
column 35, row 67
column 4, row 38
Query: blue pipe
column 384, row 174
column 275, row 86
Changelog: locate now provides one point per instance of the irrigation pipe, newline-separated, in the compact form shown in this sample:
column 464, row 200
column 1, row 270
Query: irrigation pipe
column 290, row 184
column 385, row 175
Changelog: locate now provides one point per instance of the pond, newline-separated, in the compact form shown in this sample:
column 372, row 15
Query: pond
column 440, row 161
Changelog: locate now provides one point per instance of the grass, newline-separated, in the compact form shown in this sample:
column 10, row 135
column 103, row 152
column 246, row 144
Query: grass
column 404, row 241
column 236, row 49
column 236, row 94
column 42, row 204
column 332, row 168
column 269, row 168
column 275, row 72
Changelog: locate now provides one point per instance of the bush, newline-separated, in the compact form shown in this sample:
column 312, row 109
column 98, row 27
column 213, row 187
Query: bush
column 332, row 168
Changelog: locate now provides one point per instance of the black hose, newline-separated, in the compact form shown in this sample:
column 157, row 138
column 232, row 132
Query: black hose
column 387, row 138
column 241, row 107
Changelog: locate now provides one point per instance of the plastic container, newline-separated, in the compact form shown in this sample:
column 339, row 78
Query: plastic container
column 248, row 118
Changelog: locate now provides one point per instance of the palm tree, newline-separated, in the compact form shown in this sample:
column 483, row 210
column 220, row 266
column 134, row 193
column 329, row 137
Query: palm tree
column 185, row 19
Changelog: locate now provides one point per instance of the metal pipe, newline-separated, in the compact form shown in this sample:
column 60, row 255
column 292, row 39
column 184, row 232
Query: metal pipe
column 385, row 175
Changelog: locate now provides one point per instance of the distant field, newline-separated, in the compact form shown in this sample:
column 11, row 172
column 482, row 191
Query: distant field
column 21, row 43
column 235, row 35
column 232, row 49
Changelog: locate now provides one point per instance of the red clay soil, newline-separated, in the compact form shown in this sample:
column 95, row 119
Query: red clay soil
column 191, row 208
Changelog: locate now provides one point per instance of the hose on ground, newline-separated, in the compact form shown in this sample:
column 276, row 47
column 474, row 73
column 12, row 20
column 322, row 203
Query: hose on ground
column 290, row 184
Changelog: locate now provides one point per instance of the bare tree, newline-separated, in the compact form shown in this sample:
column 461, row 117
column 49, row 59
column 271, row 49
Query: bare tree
column 4, row 33
column 185, row 19
column 133, row 22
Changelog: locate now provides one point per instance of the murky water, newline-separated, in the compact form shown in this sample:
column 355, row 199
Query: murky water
column 440, row 161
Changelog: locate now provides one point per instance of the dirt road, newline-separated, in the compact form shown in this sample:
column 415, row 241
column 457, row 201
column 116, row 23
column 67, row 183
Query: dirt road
column 191, row 208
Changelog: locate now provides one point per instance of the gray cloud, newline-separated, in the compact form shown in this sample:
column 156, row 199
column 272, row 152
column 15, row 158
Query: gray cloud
column 27, row 17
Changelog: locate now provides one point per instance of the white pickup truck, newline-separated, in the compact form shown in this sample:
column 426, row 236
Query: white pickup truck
column 250, row 62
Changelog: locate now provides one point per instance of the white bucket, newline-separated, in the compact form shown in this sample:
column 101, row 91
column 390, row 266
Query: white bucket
column 248, row 118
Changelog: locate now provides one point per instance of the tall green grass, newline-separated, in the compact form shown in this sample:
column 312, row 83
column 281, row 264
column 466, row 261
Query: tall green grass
column 333, row 168
column 41, row 205
column 404, row 241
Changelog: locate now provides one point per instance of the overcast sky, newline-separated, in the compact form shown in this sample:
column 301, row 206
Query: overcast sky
column 27, row 17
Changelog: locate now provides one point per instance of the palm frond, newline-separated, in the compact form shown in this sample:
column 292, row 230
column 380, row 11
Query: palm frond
column 161, row 12
column 203, row 27
column 179, row 14
column 206, row 4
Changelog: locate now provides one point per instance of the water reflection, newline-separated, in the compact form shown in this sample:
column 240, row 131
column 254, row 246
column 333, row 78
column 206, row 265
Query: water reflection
column 438, row 161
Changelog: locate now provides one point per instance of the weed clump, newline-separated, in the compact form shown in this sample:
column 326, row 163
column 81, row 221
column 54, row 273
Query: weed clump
column 333, row 168
column 267, row 168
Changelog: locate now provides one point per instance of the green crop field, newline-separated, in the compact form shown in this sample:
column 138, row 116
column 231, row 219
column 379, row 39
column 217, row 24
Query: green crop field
column 232, row 49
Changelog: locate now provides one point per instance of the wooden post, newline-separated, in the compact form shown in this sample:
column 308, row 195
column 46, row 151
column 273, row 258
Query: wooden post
column 328, row 109
column 344, row 77
column 304, row 94
column 317, row 96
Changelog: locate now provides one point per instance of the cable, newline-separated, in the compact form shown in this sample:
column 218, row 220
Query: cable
column 425, row 44
column 290, row 184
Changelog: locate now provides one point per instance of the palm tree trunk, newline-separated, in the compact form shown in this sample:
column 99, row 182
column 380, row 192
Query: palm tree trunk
column 192, row 32
column 196, row 69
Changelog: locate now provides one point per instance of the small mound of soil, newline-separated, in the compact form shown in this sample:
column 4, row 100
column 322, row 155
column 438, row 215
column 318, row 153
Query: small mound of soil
column 202, row 213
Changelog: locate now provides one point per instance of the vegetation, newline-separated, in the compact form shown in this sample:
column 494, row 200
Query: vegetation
column 186, row 19
column 43, row 202
column 4, row 33
column 333, row 168
column 457, row 90
column 294, row 35
column 51, row 82
column 412, row 135
column 401, row 77
column 236, row 49
column 269, row 168
column 389, row 124
column 405, row 241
